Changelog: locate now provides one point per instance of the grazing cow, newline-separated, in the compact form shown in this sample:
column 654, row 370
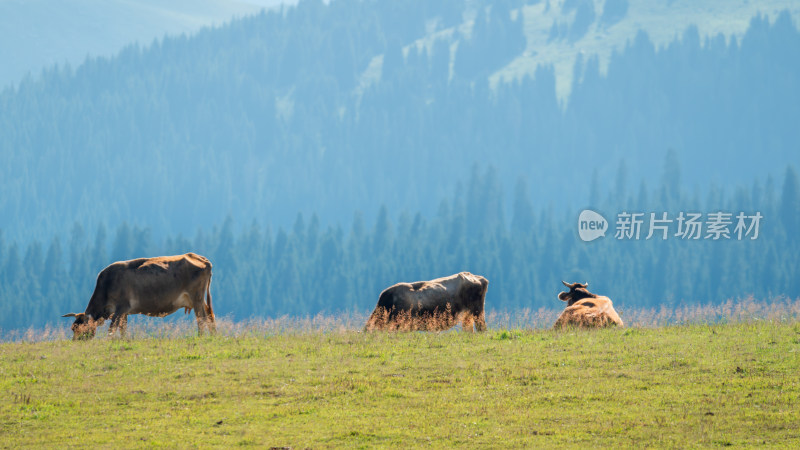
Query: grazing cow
column 151, row 286
column 586, row 310
column 432, row 305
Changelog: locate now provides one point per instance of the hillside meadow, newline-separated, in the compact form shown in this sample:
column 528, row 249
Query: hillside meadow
column 320, row 382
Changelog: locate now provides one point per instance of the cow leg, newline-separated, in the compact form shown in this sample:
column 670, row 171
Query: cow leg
column 480, row 321
column 120, row 321
column 200, row 316
column 467, row 320
column 204, row 319
column 123, row 326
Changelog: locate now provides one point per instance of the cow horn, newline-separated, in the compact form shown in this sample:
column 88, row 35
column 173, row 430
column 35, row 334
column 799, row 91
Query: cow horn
column 586, row 284
column 566, row 284
column 69, row 315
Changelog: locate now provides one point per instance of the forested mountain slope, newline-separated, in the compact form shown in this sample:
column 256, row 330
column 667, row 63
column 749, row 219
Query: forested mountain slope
column 309, row 268
column 332, row 108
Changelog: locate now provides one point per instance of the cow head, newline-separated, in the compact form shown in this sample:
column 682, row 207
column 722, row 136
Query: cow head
column 577, row 291
column 84, row 327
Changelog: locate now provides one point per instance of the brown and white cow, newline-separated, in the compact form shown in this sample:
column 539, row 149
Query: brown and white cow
column 432, row 305
column 151, row 286
column 586, row 310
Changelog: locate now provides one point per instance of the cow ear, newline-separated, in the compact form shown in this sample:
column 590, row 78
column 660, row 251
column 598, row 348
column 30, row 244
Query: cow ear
column 563, row 296
column 70, row 315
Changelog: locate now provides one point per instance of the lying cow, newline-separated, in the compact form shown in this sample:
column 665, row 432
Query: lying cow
column 151, row 286
column 586, row 310
column 432, row 305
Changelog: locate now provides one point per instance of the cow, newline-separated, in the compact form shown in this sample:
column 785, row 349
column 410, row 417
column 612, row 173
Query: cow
column 586, row 310
column 432, row 305
column 151, row 286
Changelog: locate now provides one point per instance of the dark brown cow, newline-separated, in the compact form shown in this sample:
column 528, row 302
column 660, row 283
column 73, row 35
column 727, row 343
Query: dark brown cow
column 586, row 310
column 432, row 305
column 151, row 286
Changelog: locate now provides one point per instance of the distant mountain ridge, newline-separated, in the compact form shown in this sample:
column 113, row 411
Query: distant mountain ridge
column 40, row 33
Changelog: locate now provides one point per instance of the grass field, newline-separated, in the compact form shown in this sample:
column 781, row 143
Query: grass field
column 673, row 386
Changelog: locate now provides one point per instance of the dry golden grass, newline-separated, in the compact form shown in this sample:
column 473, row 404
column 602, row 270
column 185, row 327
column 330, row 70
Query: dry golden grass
column 731, row 311
column 383, row 319
column 780, row 309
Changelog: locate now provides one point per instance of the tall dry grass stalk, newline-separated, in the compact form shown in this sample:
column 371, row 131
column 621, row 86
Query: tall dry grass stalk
column 780, row 309
column 383, row 319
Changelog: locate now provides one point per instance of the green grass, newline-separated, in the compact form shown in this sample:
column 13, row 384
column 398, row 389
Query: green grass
column 679, row 386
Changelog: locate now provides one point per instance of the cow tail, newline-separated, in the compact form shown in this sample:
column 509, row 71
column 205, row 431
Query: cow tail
column 209, row 309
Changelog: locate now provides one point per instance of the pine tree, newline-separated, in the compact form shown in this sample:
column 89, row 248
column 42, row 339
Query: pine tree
column 522, row 221
column 790, row 203
column 123, row 243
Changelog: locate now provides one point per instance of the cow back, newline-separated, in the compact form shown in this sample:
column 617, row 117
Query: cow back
column 148, row 285
column 590, row 313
